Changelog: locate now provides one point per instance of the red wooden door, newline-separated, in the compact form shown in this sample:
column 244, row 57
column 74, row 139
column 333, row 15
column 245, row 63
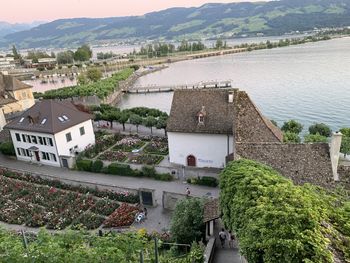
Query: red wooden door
column 191, row 160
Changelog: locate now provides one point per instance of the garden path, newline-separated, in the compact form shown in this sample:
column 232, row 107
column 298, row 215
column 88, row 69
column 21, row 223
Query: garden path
column 157, row 219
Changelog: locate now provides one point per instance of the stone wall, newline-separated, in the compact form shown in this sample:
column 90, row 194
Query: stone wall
column 170, row 199
column 250, row 125
column 303, row 163
column 344, row 175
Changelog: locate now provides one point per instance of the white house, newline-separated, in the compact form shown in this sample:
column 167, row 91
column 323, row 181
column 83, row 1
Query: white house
column 204, row 126
column 2, row 119
column 51, row 133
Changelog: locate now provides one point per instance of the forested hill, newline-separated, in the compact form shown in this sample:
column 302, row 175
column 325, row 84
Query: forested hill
column 207, row 21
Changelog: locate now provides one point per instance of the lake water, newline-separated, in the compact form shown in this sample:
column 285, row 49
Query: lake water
column 309, row 83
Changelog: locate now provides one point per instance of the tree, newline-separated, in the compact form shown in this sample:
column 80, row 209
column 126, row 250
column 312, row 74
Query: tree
column 345, row 145
column 94, row 74
column 83, row 53
column 310, row 138
column 65, row 57
column 187, row 221
column 123, row 118
column 136, row 120
column 219, row 43
column 290, row 137
column 149, row 122
column 161, row 124
column 345, row 131
column 15, row 53
column 111, row 116
column 321, row 129
column 82, row 79
column 292, row 126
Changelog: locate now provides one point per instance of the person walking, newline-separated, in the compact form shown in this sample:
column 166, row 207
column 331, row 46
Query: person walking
column 188, row 192
column 222, row 236
column 231, row 239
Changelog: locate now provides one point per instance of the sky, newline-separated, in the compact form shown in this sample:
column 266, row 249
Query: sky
column 24, row 11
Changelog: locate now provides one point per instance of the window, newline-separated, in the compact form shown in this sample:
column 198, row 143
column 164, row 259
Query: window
column 19, row 151
column 50, row 141
column 28, row 139
column 44, row 141
column 43, row 121
column 21, row 120
column 60, row 119
column 68, row 137
column 53, row 157
column 24, row 138
column 18, row 137
column 65, row 117
column 82, row 131
column 46, row 156
column 41, row 140
column 34, row 140
column 200, row 118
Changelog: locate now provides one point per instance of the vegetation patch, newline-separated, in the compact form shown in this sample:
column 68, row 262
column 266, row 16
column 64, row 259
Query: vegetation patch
column 277, row 221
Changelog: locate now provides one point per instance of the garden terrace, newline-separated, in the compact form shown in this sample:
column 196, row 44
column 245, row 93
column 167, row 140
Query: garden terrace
column 101, row 88
column 35, row 202
column 119, row 148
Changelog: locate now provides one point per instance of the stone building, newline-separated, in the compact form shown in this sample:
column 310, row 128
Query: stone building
column 209, row 127
column 15, row 96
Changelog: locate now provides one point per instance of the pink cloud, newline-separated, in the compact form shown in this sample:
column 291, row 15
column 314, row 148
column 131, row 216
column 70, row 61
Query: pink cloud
column 48, row 10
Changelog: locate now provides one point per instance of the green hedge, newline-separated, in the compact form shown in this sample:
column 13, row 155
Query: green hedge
column 204, row 180
column 97, row 166
column 84, row 165
column 120, row 169
column 7, row 148
column 276, row 221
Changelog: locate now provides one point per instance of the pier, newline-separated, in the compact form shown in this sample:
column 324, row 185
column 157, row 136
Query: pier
column 159, row 89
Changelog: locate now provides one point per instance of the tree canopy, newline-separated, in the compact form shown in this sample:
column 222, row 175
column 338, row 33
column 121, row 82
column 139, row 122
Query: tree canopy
column 292, row 126
column 187, row 221
column 321, row 129
column 291, row 137
column 277, row 221
column 310, row 138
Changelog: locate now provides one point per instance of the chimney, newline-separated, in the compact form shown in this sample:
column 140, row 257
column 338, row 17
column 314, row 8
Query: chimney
column 334, row 152
column 230, row 97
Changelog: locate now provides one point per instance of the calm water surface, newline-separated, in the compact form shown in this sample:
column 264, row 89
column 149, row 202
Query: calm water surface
column 310, row 83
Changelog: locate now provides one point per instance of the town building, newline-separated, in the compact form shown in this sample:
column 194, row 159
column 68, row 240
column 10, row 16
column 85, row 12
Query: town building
column 7, row 63
column 205, row 124
column 210, row 127
column 2, row 120
column 51, row 133
column 15, row 96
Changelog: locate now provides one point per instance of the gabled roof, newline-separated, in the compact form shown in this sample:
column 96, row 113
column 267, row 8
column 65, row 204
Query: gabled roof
column 188, row 103
column 49, row 116
column 7, row 84
column 10, row 83
column 239, row 116
column 211, row 210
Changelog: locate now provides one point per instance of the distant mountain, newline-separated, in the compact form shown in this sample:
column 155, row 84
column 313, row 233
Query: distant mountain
column 207, row 21
column 7, row 28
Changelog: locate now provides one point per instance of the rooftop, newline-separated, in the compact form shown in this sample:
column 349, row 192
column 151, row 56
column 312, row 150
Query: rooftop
column 49, row 116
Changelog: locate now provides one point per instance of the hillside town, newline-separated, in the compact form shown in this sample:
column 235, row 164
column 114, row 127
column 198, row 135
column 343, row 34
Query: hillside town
column 213, row 140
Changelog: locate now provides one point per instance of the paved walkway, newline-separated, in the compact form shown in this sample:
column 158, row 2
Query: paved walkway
column 158, row 219
column 225, row 254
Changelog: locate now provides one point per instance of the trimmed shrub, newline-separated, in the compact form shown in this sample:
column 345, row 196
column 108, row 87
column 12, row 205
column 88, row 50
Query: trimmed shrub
column 97, row 166
column 148, row 171
column 163, row 177
column 120, row 169
column 84, row 165
column 205, row 180
column 7, row 149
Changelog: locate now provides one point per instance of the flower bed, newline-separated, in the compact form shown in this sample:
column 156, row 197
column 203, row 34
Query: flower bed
column 148, row 159
column 157, row 146
column 101, row 144
column 117, row 196
column 89, row 221
column 105, row 207
column 25, row 203
column 113, row 156
column 122, row 217
column 128, row 144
